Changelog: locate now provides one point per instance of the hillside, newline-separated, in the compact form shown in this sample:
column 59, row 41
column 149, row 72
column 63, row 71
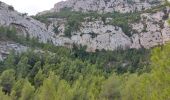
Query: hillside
column 109, row 29
column 97, row 31
column 105, row 6
column 86, row 50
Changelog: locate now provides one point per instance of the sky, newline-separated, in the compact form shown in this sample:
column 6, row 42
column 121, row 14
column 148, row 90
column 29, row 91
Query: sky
column 31, row 7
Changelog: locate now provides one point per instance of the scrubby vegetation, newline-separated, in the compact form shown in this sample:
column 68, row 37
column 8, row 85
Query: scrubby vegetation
column 10, row 34
column 74, row 19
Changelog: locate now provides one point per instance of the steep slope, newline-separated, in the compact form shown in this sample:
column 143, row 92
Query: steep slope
column 142, row 27
column 24, row 24
column 108, row 31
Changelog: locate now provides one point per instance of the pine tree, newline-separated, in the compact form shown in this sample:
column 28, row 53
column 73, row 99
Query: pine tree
column 3, row 96
column 23, row 67
column 48, row 90
column 7, row 80
column 38, row 79
column 111, row 88
column 27, row 92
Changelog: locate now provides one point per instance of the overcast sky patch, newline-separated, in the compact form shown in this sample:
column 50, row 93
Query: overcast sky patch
column 31, row 7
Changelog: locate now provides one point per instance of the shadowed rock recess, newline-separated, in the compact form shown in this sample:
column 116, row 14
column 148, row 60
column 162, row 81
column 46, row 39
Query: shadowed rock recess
column 97, row 24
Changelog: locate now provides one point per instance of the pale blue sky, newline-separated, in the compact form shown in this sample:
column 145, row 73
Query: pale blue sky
column 31, row 6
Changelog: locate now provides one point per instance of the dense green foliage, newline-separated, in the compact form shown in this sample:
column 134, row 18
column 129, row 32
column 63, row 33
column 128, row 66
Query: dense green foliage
column 67, row 74
column 78, row 75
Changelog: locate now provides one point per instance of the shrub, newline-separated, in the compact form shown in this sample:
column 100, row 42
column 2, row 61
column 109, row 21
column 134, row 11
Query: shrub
column 74, row 19
column 8, row 33
column 56, row 29
column 11, row 8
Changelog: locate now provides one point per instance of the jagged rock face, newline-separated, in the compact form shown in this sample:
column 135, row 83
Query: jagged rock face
column 24, row 24
column 96, row 35
column 156, row 31
column 102, row 36
column 101, row 6
column 148, row 32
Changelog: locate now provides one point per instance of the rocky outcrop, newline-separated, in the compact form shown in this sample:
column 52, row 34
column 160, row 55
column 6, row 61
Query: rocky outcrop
column 103, row 6
column 7, row 47
column 25, row 25
column 96, row 35
column 151, row 30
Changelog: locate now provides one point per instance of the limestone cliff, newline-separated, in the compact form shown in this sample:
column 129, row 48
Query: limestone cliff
column 103, row 6
column 148, row 30
column 24, row 24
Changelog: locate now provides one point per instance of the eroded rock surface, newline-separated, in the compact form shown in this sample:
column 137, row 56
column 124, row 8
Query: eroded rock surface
column 103, row 6
column 25, row 25
column 149, row 31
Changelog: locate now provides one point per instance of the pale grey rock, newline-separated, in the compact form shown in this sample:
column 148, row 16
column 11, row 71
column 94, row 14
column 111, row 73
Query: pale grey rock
column 106, row 37
column 148, row 39
column 156, row 32
column 166, row 33
column 96, row 35
column 7, row 47
column 24, row 24
column 103, row 6
column 136, row 41
column 138, row 27
column 150, row 31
